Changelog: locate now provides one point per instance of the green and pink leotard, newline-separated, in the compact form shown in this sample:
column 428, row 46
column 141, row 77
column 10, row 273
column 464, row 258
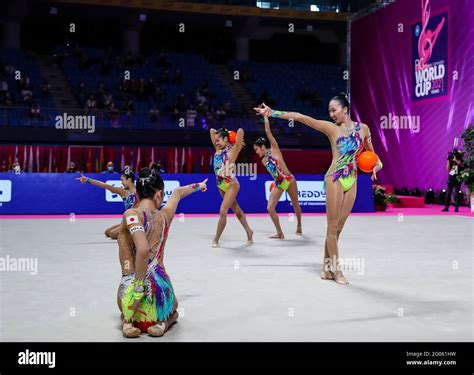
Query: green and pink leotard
column 282, row 181
column 222, row 169
column 158, row 302
column 346, row 149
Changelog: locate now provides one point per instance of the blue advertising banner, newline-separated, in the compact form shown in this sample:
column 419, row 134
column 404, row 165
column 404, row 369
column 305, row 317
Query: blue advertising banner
column 61, row 193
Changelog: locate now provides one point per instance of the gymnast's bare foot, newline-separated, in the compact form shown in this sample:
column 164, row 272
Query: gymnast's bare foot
column 327, row 275
column 340, row 278
column 299, row 231
column 129, row 331
column 159, row 329
column 279, row 236
column 113, row 235
column 250, row 236
column 172, row 320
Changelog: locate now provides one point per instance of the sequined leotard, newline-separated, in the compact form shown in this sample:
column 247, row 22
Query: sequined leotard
column 282, row 181
column 158, row 301
column 224, row 172
column 346, row 150
column 130, row 201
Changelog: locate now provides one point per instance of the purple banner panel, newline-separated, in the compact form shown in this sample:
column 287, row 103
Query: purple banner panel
column 412, row 82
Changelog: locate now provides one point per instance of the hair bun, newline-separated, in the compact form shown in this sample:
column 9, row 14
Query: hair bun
column 146, row 175
column 148, row 182
column 343, row 99
column 261, row 141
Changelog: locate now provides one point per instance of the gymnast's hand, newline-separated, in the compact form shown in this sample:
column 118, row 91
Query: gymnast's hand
column 203, row 186
column 263, row 110
column 83, row 178
column 135, row 307
column 374, row 175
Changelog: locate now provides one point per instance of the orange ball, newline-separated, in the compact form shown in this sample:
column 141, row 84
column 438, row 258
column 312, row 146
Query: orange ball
column 232, row 136
column 367, row 161
column 272, row 185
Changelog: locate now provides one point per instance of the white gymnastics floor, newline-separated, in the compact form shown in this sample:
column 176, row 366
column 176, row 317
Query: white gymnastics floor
column 413, row 281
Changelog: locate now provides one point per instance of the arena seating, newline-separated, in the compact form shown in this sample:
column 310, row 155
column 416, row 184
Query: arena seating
column 14, row 60
column 322, row 80
column 284, row 82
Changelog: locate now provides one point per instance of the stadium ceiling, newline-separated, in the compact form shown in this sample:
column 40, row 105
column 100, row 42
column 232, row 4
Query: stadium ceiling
column 214, row 8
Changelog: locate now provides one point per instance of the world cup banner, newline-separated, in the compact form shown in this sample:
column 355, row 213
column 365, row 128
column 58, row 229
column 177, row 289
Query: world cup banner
column 430, row 55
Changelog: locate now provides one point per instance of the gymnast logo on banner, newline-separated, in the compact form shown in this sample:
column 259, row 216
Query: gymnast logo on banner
column 430, row 55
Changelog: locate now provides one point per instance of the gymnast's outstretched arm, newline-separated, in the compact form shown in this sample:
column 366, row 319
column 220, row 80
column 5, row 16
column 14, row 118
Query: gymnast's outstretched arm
column 113, row 189
column 323, row 126
column 170, row 208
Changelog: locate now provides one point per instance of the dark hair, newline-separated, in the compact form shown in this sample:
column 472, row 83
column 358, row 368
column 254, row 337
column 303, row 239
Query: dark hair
column 148, row 183
column 343, row 99
column 223, row 132
column 127, row 173
column 261, row 141
column 155, row 166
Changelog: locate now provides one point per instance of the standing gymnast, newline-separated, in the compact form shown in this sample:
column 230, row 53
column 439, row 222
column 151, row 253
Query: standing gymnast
column 145, row 296
column 227, row 184
column 272, row 159
column 127, row 193
column 348, row 139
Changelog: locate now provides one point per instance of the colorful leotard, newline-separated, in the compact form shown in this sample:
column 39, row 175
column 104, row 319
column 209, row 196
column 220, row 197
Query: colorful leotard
column 130, row 201
column 223, row 175
column 282, row 181
column 346, row 149
column 158, row 301
column 344, row 168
